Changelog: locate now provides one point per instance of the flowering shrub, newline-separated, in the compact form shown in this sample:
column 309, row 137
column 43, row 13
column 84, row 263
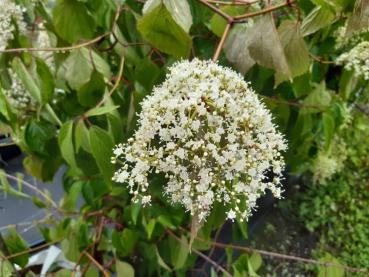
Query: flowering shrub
column 84, row 81
column 206, row 130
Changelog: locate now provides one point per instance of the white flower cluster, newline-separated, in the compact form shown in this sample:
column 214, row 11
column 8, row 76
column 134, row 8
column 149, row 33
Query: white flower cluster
column 357, row 59
column 205, row 129
column 10, row 13
column 44, row 41
column 17, row 95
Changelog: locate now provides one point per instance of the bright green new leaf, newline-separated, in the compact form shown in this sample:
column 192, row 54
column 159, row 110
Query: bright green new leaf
column 72, row 21
column 255, row 261
column 101, row 110
column 71, row 197
column 124, row 269
column 159, row 28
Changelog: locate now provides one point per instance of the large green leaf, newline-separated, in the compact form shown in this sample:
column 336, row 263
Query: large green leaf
column 266, row 48
column 6, row 268
column 179, row 9
column 72, row 21
column 76, row 69
column 330, row 271
column 102, row 150
column 295, row 50
column 37, row 134
column 160, row 29
column 179, row 251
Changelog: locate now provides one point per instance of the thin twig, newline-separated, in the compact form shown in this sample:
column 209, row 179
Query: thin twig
column 216, row 265
column 283, row 256
column 56, row 49
column 216, row 10
column 241, row 18
column 99, row 266
column 116, row 84
column 222, row 40
column 35, row 189
column 30, row 250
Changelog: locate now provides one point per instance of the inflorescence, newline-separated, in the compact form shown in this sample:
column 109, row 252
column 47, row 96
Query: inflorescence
column 205, row 129
column 11, row 17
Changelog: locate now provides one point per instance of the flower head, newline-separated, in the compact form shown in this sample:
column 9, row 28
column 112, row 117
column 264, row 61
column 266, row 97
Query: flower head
column 357, row 59
column 206, row 131
column 10, row 13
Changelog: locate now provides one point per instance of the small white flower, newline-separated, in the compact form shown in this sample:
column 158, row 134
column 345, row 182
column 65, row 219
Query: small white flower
column 231, row 215
column 146, row 200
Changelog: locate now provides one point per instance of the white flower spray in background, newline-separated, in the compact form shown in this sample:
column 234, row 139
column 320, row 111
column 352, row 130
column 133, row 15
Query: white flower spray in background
column 357, row 59
column 18, row 96
column 207, row 131
column 10, row 13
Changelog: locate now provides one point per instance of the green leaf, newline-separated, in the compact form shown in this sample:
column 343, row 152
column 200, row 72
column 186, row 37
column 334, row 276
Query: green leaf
column 179, row 9
column 27, row 79
column 72, row 21
column 101, row 110
column 71, row 197
column 37, row 134
column 255, row 261
column 317, row 19
column 43, row 168
column 8, row 189
column 66, row 145
column 161, row 261
column 77, row 69
column 135, row 210
column 328, row 128
column 159, row 28
column 178, row 252
column 6, row 268
column 218, row 23
column 102, row 150
column 16, row 244
column 265, row 46
column 150, row 227
column 92, row 92
column 236, row 47
column 295, row 50
column 124, row 269
column 317, row 100
column 82, row 136
column 330, row 271
column 45, row 80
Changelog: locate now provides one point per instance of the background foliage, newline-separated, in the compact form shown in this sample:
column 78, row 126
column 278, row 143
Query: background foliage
column 97, row 61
